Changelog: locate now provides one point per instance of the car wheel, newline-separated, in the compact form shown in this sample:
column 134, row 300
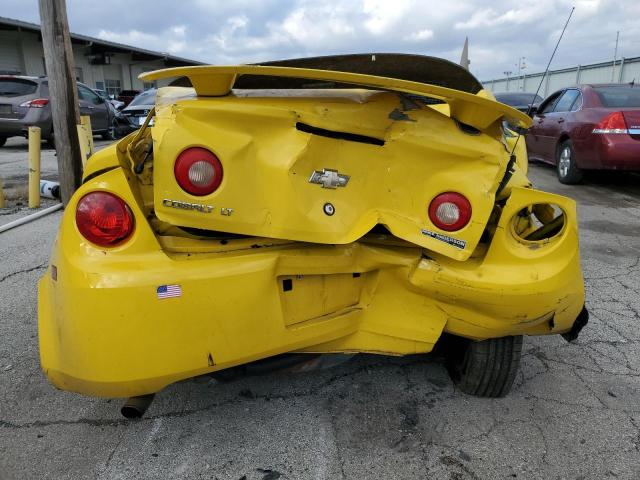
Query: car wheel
column 3, row 140
column 566, row 168
column 110, row 133
column 486, row 368
column 51, row 140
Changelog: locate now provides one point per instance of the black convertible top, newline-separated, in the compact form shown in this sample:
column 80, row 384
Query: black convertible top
column 415, row 68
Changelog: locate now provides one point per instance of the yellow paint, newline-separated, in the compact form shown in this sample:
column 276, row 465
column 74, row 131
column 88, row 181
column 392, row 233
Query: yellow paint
column 2, row 197
column 85, row 135
column 34, row 167
column 301, row 281
column 267, row 165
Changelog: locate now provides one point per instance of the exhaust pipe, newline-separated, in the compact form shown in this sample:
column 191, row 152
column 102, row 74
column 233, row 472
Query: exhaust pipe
column 135, row 407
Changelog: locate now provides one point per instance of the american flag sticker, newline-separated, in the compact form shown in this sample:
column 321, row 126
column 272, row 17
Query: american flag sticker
column 169, row 291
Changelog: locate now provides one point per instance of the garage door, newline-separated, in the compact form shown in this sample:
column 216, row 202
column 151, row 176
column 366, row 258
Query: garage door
column 10, row 61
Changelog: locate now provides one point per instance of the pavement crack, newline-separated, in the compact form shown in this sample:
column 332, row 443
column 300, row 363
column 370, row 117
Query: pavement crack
column 110, row 457
column 26, row 270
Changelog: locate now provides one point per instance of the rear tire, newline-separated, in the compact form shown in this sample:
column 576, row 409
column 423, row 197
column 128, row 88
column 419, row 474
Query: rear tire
column 486, row 368
column 566, row 167
column 110, row 133
column 3, row 140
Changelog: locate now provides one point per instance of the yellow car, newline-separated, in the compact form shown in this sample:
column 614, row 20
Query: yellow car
column 358, row 203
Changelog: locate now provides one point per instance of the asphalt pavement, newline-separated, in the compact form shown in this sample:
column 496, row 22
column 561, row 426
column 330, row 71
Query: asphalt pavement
column 574, row 412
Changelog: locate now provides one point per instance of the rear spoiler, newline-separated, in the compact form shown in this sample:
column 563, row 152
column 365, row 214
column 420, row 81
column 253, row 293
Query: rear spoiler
column 474, row 110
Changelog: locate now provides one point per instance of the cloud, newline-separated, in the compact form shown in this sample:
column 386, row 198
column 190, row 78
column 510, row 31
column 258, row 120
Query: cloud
column 419, row 36
column 381, row 15
column 244, row 31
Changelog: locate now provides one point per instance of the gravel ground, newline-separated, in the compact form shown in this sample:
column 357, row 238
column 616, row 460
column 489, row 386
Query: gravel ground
column 574, row 411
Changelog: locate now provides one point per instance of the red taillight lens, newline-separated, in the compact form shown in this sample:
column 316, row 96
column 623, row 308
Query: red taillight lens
column 104, row 219
column 450, row 211
column 612, row 123
column 198, row 171
column 37, row 103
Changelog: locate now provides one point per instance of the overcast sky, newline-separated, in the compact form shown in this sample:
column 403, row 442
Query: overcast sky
column 242, row 31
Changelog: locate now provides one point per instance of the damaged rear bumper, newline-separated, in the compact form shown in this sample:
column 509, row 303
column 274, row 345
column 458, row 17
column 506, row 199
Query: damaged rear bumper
column 105, row 330
column 580, row 322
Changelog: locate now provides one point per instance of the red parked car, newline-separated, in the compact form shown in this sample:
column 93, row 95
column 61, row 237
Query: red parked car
column 127, row 95
column 587, row 127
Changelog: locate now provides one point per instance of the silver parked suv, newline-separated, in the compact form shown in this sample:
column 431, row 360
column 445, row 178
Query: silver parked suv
column 24, row 102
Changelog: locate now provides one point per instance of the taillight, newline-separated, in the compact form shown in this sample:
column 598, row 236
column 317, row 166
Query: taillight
column 198, row 171
column 104, row 219
column 612, row 123
column 37, row 103
column 450, row 211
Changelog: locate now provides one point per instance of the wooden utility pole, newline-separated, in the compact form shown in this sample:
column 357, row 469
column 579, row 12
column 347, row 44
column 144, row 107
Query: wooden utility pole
column 58, row 57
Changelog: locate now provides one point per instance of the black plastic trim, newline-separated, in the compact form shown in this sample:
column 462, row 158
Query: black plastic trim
column 351, row 137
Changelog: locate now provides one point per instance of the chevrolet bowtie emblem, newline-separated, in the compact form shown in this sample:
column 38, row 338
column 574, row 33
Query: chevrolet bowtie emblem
column 329, row 178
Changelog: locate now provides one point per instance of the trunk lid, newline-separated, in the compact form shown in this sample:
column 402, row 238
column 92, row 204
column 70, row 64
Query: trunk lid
column 278, row 151
column 327, row 166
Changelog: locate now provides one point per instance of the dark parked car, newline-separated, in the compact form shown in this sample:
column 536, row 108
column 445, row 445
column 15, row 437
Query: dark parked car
column 520, row 100
column 24, row 102
column 118, row 105
column 126, row 96
column 588, row 127
column 136, row 112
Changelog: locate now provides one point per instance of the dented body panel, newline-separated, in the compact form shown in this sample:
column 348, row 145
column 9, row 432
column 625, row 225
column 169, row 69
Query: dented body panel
column 268, row 164
column 263, row 270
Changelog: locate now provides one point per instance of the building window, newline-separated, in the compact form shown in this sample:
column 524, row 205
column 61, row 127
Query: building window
column 99, row 85
column 79, row 76
column 148, row 85
column 112, row 87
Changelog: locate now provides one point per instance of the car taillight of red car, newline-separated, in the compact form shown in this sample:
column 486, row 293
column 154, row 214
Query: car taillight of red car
column 614, row 123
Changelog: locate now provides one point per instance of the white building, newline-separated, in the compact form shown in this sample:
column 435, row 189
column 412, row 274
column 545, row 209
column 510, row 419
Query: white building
column 100, row 64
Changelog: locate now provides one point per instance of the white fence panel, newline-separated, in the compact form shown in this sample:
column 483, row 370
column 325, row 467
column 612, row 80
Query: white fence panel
column 594, row 73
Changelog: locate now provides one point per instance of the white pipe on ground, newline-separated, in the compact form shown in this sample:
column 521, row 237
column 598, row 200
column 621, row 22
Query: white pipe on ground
column 30, row 218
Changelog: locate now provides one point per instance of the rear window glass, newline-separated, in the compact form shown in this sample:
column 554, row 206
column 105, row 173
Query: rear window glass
column 14, row 87
column 626, row 96
column 517, row 99
column 145, row 98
